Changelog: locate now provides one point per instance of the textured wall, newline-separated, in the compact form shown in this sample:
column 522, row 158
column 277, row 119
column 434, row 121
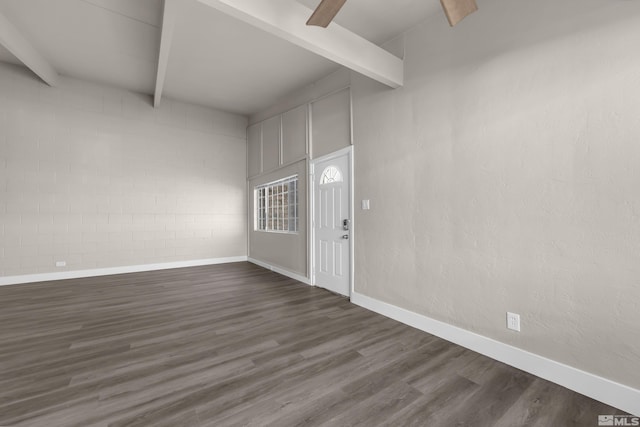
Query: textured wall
column 98, row 178
column 505, row 175
column 283, row 250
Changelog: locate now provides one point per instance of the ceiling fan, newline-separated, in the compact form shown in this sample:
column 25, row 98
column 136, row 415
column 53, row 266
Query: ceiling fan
column 456, row 11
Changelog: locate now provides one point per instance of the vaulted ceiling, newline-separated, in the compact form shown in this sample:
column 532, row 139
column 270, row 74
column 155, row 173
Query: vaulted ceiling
column 211, row 57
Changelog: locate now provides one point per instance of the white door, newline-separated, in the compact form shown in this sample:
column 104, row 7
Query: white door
column 332, row 223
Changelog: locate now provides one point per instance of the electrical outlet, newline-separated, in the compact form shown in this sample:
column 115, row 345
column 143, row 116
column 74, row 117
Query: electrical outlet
column 513, row 321
column 61, row 263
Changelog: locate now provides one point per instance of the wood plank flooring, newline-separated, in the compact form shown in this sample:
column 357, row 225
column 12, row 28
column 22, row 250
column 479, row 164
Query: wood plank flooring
column 237, row 345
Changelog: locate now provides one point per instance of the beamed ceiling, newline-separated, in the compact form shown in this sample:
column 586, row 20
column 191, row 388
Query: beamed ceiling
column 238, row 56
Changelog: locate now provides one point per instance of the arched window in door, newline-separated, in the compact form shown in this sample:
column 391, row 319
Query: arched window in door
column 330, row 175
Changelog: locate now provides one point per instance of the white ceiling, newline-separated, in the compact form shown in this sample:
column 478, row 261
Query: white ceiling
column 381, row 20
column 215, row 60
column 219, row 61
column 81, row 38
column 6, row 56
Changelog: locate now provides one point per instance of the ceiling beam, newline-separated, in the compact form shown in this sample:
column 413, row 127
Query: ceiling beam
column 169, row 14
column 286, row 19
column 14, row 42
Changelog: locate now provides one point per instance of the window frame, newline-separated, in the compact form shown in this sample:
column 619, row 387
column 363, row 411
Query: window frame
column 267, row 211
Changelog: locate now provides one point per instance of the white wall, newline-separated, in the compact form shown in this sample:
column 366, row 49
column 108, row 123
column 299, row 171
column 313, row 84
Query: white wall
column 335, row 81
column 98, row 178
column 505, row 175
column 286, row 251
column 329, row 125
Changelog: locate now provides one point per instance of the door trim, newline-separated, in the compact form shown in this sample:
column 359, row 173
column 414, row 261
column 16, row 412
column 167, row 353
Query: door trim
column 348, row 151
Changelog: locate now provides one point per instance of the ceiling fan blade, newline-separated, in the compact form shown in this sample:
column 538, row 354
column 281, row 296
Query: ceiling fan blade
column 325, row 12
column 457, row 10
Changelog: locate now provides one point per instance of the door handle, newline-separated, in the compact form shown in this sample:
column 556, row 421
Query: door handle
column 345, row 236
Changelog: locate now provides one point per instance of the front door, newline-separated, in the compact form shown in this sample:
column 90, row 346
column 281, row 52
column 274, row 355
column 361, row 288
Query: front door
column 332, row 223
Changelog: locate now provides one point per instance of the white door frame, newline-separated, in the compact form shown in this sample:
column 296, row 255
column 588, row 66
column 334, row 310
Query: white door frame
column 312, row 191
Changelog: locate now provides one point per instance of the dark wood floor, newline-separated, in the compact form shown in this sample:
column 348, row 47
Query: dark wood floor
column 238, row 345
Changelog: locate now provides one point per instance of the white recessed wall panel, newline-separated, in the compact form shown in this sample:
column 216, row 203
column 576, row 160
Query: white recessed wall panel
column 98, row 178
column 271, row 144
column 294, row 134
column 331, row 123
column 254, row 147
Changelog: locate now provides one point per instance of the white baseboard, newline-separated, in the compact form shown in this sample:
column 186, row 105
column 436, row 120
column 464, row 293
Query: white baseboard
column 61, row 275
column 280, row 270
column 598, row 388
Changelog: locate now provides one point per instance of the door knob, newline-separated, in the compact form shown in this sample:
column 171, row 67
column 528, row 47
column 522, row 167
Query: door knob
column 345, row 236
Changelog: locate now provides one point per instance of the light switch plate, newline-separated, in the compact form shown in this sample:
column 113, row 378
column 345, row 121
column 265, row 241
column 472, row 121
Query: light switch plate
column 365, row 205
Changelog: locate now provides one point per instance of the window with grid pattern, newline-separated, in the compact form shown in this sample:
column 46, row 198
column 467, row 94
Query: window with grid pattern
column 276, row 206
